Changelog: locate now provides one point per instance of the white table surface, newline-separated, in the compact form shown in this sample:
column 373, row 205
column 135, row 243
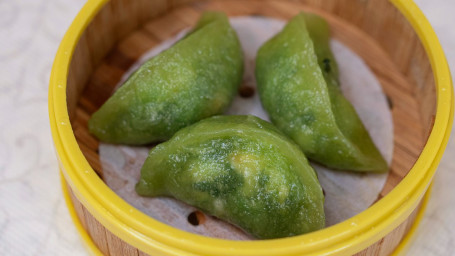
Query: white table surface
column 33, row 216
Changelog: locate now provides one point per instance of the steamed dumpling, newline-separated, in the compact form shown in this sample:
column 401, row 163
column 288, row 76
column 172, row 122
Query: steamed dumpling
column 297, row 78
column 194, row 79
column 240, row 169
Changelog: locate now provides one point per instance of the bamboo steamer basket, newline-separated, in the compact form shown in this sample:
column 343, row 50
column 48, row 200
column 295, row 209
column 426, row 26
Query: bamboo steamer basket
column 393, row 38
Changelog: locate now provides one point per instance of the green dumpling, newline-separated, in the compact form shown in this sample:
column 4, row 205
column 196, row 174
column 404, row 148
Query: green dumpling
column 194, row 79
column 297, row 79
column 240, row 169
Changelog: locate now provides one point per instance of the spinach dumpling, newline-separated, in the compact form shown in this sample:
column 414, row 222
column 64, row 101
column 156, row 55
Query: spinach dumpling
column 240, row 169
column 194, row 79
column 297, row 78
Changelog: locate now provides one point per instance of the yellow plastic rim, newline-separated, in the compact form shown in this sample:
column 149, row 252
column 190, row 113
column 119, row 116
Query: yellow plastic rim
column 94, row 250
column 156, row 238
